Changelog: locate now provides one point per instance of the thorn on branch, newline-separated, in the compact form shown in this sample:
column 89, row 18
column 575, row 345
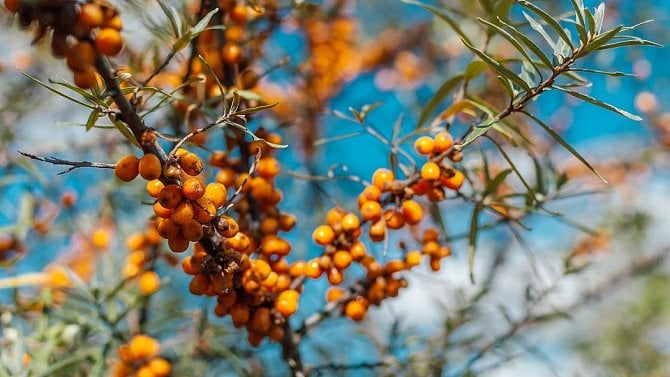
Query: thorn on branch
column 72, row 164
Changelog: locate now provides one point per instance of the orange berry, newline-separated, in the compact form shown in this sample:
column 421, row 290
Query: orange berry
column 424, row 145
column 167, row 229
column 276, row 333
column 260, row 321
column 100, row 238
column 193, row 188
column 286, row 222
column 430, row 171
column 109, row 41
column 323, row 235
column 394, row 265
column 435, row 263
column 161, row 211
column 216, row 192
column 268, row 167
column 297, row 268
column 394, row 219
column 68, row 199
column 226, row 177
column 231, row 53
column 178, row 243
column 154, row 187
column 90, row 16
column 229, row 227
column 188, row 266
column 355, row 309
column 454, row 182
column 199, row 284
column 203, row 210
column 430, row 234
column 382, row 178
column 170, row 196
column 238, row 14
column 371, row 211
column 377, row 231
column 372, row 193
column 113, row 23
column 13, row 5
column 143, row 347
column 342, row 259
column 239, row 314
column 334, row 294
column 85, row 79
column 182, row 214
column 190, row 163
column 149, row 283
column 192, row 231
column 239, row 242
column 413, row 258
column 150, row 167
column 443, row 141
column 262, row 267
column 81, row 57
column 287, row 302
column 357, row 250
column 273, row 245
column 334, row 216
column 334, row 276
column 127, row 168
column 160, row 367
column 350, row 222
column 313, row 269
column 412, row 211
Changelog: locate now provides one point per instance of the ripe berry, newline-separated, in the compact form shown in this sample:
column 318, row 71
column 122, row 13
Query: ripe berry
column 13, row 5
column 199, row 284
column 150, row 167
column 382, row 178
column 372, row 193
column 143, row 347
column 443, row 141
column 239, row 313
column 430, row 171
column 377, row 231
column 216, row 192
column 371, row 211
column 357, row 250
column 268, row 167
column 80, row 57
column 239, row 14
column 355, row 309
column 149, row 283
column 190, row 163
column 287, row 302
column 334, row 294
column 323, row 235
column 394, row 219
column 127, row 168
column 342, row 259
column 85, row 79
column 90, row 16
column 109, row 42
column 350, row 222
column 424, row 145
column 413, row 258
column 160, row 367
column 170, row 196
column 178, row 243
column 193, row 189
column 313, row 269
column 454, row 182
column 412, row 211
column 260, row 321
column 231, row 53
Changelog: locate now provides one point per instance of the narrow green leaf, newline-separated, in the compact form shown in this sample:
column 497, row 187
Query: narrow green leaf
column 599, row 18
column 597, row 102
column 251, row 110
column 326, row 140
column 608, row 73
column 506, row 85
column 57, row 91
column 590, row 21
column 472, row 240
column 173, row 23
column 444, row 17
column 535, row 25
column 565, row 144
column 600, row 40
column 530, row 44
column 497, row 66
column 202, row 24
column 512, row 40
column 124, row 130
column 578, row 7
column 440, row 94
column 92, row 119
column 549, row 20
column 630, row 42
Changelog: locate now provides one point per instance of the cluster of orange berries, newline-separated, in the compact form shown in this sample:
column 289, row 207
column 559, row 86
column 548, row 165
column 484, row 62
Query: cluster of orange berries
column 256, row 293
column 140, row 358
column 436, row 174
column 185, row 206
column 80, row 32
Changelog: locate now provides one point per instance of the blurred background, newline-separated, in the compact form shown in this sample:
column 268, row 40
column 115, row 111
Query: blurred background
column 608, row 311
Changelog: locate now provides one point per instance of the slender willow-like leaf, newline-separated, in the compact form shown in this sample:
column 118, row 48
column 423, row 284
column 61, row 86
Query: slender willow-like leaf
column 597, row 102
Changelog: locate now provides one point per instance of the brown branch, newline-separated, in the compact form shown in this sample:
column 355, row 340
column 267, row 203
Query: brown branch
column 73, row 164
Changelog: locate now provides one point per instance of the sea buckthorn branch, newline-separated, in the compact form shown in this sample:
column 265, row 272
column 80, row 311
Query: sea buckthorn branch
column 73, row 164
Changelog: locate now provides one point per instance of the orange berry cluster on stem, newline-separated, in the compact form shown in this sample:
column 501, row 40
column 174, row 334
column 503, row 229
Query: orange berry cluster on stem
column 140, row 358
column 80, row 32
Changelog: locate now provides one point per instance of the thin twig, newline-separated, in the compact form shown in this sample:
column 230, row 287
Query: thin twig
column 73, row 164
